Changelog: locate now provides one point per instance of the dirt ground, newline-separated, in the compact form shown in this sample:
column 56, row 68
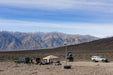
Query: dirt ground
column 78, row 68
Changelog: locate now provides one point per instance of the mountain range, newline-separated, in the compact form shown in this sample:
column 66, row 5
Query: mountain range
column 39, row 40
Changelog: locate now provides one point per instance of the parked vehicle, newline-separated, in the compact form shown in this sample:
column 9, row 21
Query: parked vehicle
column 23, row 60
column 98, row 58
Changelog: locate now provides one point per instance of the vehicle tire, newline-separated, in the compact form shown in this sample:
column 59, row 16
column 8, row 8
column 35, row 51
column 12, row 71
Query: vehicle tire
column 95, row 60
column 103, row 60
column 106, row 61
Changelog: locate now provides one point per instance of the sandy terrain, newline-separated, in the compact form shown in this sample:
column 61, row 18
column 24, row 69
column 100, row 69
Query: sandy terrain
column 78, row 68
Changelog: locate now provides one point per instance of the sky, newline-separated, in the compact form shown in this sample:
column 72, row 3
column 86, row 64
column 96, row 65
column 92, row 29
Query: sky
column 84, row 17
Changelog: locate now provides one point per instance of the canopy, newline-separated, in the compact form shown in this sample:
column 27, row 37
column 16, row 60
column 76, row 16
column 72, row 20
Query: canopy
column 50, row 57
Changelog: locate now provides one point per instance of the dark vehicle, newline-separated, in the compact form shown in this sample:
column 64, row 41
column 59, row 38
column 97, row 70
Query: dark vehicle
column 70, row 57
column 23, row 60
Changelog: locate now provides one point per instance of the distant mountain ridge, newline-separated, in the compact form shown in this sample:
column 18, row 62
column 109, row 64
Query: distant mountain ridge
column 38, row 40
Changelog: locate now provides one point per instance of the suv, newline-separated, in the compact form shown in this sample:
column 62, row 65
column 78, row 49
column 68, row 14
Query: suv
column 98, row 58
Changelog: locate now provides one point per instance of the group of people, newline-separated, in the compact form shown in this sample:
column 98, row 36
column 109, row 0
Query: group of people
column 39, row 61
column 46, row 60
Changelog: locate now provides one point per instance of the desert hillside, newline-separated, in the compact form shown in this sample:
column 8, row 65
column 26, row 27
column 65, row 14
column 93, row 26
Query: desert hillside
column 84, row 51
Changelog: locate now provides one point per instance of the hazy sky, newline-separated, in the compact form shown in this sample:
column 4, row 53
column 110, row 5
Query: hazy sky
column 85, row 17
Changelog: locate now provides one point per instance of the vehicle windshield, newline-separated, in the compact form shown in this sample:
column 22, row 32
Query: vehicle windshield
column 101, row 57
column 21, row 59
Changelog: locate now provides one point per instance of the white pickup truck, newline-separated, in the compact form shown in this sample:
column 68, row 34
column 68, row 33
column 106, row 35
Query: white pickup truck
column 98, row 58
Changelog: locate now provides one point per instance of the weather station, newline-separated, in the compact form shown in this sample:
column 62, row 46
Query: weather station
column 66, row 64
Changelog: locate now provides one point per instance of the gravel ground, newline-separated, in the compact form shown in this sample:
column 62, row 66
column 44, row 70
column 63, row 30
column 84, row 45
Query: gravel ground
column 78, row 68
